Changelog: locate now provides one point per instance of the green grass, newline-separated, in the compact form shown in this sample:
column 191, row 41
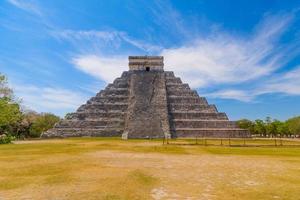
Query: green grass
column 111, row 168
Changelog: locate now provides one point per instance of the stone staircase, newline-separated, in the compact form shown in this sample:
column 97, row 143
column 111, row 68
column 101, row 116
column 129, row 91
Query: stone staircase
column 102, row 115
column 192, row 116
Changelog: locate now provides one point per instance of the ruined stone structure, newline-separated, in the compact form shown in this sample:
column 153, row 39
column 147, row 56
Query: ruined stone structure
column 147, row 102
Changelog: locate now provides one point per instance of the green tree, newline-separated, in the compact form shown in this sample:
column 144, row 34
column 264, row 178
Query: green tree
column 28, row 118
column 246, row 124
column 294, row 125
column 10, row 115
column 260, row 128
column 10, row 111
column 271, row 127
column 283, row 129
column 44, row 122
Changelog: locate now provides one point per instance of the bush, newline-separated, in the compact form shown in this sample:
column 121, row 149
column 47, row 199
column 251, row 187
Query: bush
column 6, row 139
column 43, row 122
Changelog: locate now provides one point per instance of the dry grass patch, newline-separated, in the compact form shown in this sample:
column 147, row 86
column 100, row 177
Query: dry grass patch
column 98, row 168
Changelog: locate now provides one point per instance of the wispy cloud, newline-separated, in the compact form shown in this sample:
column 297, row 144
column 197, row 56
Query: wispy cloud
column 170, row 20
column 97, row 39
column 104, row 68
column 236, row 94
column 224, row 58
column 221, row 59
column 26, row 5
column 286, row 83
column 49, row 99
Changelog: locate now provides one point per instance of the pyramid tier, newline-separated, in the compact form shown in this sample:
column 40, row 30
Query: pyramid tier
column 114, row 92
column 184, row 93
column 96, row 114
column 198, row 115
column 100, row 123
column 108, row 99
column 173, row 80
column 212, row 132
column 117, row 86
column 199, row 123
column 104, row 107
column 187, row 100
column 83, row 132
column 176, row 107
column 177, row 86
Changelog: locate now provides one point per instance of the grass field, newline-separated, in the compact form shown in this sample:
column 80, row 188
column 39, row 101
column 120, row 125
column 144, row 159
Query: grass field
column 98, row 168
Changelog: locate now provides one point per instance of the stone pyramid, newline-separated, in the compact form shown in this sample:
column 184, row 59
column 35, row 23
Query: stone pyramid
column 147, row 102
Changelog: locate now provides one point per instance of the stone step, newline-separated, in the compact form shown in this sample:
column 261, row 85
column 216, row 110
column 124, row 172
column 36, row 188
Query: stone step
column 179, row 107
column 182, row 93
column 176, row 84
column 91, row 123
column 197, row 123
column 172, row 80
column 187, row 99
column 125, row 74
column 119, row 81
column 104, row 107
column 119, row 85
column 183, row 86
column 198, row 115
column 114, row 91
column 212, row 132
column 108, row 99
column 169, row 74
column 97, row 115
column 83, row 132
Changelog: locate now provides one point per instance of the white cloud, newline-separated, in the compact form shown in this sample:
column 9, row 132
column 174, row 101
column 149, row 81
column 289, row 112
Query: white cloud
column 225, row 58
column 232, row 94
column 104, row 68
column 287, row 83
column 49, row 99
column 25, row 5
column 97, row 39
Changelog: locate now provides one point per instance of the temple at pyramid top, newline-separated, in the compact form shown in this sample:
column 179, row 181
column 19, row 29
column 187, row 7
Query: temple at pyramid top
column 147, row 102
column 146, row 63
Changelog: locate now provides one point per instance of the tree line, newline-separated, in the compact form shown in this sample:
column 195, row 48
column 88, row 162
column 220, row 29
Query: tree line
column 272, row 127
column 17, row 122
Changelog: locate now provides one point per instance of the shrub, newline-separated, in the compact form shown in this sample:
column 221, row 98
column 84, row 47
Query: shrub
column 6, row 139
column 44, row 122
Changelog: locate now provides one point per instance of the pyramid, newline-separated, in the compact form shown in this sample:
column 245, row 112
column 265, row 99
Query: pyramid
column 147, row 102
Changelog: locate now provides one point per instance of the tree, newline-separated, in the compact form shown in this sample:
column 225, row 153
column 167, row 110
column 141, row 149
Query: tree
column 44, row 122
column 23, row 128
column 260, row 128
column 5, row 91
column 271, row 127
column 283, row 129
column 10, row 111
column 246, row 124
column 10, row 114
column 294, row 125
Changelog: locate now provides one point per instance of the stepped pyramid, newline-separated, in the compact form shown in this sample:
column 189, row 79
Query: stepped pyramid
column 147, row 102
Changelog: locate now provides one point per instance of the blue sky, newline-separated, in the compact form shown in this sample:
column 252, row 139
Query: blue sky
column 244, row 56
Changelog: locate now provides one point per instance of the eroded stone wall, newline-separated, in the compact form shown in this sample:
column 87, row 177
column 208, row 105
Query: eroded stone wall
column 147, row 114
